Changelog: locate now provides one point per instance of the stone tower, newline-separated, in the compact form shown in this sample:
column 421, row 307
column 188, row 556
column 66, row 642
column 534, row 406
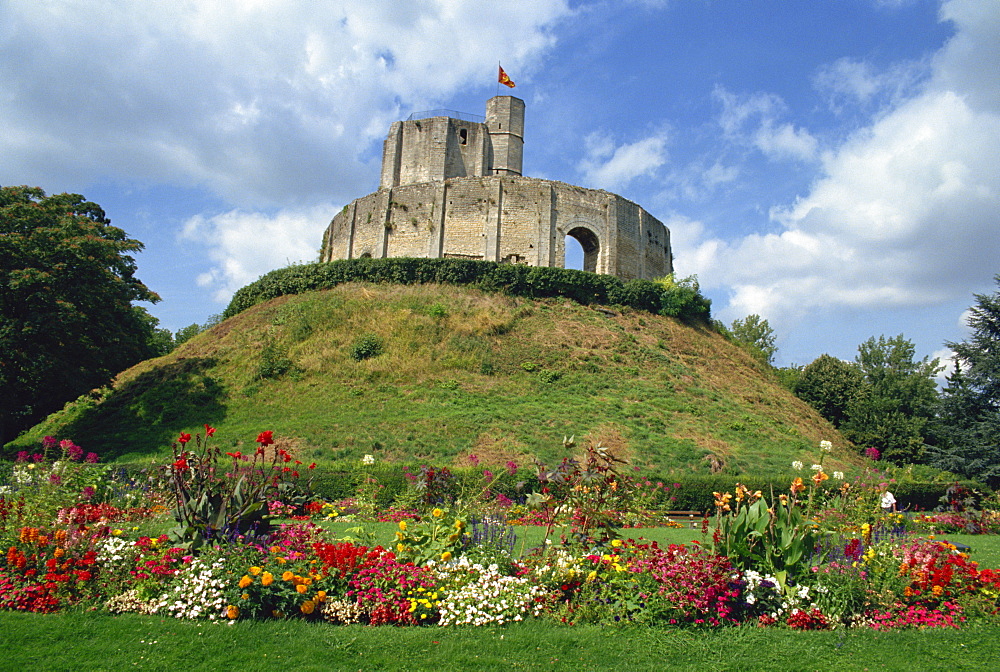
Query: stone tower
column 505, row 121
column 452, row 186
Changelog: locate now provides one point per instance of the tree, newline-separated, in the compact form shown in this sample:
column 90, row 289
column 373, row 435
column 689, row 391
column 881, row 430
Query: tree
column 829, row 384
column 757, row 335
column 67, row 323
column 893, row 407
column 969, row 412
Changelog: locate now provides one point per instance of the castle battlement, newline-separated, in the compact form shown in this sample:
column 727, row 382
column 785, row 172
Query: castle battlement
column 453, row 188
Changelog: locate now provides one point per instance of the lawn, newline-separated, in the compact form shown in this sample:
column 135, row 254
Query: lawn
column 76, row 641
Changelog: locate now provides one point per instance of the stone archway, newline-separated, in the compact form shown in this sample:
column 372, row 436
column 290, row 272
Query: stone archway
column 591, row 245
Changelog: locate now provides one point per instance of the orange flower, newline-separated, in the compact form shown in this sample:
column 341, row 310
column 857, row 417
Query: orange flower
column 797, row 485
column 287, row 576
column 301, row 589
column 819, row 478
column 245, row 581
column 232, row 612
column 321, row 596
column 307, row 607
column 267, row 579
column 255, row 570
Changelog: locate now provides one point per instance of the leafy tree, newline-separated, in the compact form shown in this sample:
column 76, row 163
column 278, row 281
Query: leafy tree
column 187, row 333
column 969, row 411
column 896, row 402
column 829, row 384
column 161, row 341
column 757, row 335
column 67, row 323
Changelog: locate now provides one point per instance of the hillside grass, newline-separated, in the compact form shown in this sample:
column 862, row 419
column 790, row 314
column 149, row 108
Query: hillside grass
column 461, row 372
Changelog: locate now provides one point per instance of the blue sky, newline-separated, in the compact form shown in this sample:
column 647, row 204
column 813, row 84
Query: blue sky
column 832, row 165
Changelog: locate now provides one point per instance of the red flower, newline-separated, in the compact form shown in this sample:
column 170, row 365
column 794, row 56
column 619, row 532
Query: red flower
column 237, row 455
column 184, row 438
column 265, row 438
column 312, row 466
column 181, row 464
column 209, row 431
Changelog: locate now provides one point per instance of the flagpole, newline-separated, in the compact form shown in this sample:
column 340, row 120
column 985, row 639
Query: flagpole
column 498, row 79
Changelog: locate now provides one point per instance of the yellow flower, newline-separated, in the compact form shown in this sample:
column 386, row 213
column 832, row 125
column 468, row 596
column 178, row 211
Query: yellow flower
column 437, row 513
column 616, row 542
column 245, row 581
column 402, row 525
column 591, row 577
column 116, row 532
column 399, row 536
column 287, row 576
column 245, row 596
column 400, row 548
column 232, row 612
column 446, row 556
column 267, row 579
column 307, row 607
column 255, row 571
column 459, row 525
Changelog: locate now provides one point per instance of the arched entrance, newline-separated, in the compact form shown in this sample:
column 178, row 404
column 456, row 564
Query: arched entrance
column 589, row 244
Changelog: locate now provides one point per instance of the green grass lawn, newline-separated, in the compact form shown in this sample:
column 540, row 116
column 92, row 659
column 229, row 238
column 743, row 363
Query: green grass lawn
column 96, row 642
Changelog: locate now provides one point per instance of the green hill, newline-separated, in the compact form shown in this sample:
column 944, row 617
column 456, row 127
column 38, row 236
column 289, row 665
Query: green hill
column 457, row 372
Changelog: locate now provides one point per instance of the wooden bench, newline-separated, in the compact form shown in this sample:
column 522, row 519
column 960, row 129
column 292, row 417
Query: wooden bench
column 693, row 517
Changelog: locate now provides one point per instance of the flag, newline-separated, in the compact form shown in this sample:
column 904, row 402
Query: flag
column 504, row 79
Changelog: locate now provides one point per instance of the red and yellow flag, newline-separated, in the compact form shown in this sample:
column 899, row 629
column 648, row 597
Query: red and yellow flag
column 504, row 79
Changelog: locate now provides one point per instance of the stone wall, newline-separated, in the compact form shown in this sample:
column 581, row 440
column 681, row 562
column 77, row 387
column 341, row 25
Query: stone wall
column 502, row 218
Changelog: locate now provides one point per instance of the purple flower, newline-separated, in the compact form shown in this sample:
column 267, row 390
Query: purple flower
column 511, row 467
column 49, row 442
column 474, row 459
column 37, row 457
column 22, row 456
column 488, row 475
column 873, row 453
column 88, row 493
column 92, row 458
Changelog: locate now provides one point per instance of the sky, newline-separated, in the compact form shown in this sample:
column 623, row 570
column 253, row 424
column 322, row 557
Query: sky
column 830, row 165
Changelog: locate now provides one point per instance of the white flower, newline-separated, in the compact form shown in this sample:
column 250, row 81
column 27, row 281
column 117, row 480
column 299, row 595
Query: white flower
column 368, row 460
column 797, row 465
column 839, row 475
column 825, row 446
column 817, row 467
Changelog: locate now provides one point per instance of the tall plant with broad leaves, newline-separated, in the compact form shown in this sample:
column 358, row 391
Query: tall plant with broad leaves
column 222, row 495
column 780, row 538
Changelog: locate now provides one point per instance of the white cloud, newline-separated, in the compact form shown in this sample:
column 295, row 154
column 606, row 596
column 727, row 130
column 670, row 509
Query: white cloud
column 755, row 120
column 245, row 245
column 906, row 212
column 610, row 166
column 261, row 103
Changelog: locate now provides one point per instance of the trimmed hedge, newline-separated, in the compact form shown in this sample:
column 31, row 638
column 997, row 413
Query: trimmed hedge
column 682, row 301
column 694, row 493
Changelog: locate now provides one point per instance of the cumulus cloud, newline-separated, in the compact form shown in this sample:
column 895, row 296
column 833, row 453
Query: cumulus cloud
column 756, row 120
column 261, row 104
column 610, row 166
column 905, row 212
column 245, row 245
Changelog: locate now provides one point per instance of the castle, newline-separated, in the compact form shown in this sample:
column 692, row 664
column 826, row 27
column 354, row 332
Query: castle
column 452, row 187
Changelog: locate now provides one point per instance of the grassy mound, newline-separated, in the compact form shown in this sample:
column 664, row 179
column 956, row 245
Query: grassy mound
column 436, row 373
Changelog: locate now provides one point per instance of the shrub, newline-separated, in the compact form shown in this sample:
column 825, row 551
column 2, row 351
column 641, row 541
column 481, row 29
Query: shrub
column 366, row 347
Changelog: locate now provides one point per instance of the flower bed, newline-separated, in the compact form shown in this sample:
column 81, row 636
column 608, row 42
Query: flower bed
column 454, row 561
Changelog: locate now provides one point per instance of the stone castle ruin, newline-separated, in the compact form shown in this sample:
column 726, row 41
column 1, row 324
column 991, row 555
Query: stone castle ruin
column 452, row 187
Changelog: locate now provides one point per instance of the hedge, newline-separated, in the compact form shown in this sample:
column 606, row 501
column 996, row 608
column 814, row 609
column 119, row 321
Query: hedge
column 680, row 300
